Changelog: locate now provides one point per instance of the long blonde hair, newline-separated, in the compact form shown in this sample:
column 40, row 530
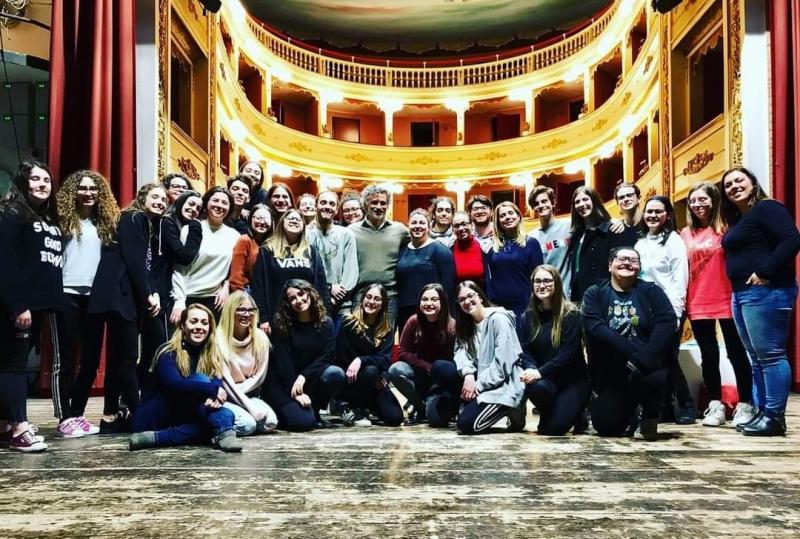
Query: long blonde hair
column 358, row 319
column 561, row 306
column 499, row 235
column 227, row 321
column 210, row 361
column 279, row 244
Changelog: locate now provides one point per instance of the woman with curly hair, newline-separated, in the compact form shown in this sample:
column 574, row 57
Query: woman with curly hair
column 187, row 403
column 303, row 377
column 286, row 255
column 32, row 248
column 244, row 349
column 364, row 348
column 88, row 214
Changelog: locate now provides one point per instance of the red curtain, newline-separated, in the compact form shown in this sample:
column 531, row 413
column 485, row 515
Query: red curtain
column 92, row 91
column 784, row 20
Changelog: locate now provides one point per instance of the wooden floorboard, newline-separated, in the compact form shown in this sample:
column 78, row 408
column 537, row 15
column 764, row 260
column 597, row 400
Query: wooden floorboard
column 697, row 482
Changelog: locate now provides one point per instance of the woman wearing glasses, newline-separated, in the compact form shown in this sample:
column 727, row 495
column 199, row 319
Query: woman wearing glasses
column 287, row 255
column 629, row 326
column 175, row 184
column 245, row 252
column 665, row 263
column 552, row 344
column 488, row 358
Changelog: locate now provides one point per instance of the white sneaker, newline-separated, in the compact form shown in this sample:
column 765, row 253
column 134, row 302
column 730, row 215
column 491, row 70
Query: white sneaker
column 356, row 418
column 714, row 416
column 744, row 412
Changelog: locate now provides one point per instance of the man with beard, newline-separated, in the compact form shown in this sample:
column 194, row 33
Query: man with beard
column 336, row 246
column 442, row 210
column 480, row 213
column 378, row 244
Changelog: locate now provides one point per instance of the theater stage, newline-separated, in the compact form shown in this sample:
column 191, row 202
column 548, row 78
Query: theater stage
column 411, row 482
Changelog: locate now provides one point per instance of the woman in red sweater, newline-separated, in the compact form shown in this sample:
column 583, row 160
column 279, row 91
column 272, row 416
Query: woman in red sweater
column 466, row 251
column 245, row 252
column 425, row 373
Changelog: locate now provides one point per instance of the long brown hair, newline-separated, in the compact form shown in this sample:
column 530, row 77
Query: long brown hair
column 285, row 315
column 443, row 321
column 105, row 215
column 210, row 361
column 465, row 325
column 561, row 306
column 358, row 319
column 730, row 212
column 599, row 212
column 715, row 220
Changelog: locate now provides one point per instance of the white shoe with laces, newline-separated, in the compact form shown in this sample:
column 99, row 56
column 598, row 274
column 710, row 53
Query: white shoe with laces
column 714, row 416
column 743, row 413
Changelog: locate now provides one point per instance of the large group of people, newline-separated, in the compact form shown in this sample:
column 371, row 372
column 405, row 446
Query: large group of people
column 247, row 309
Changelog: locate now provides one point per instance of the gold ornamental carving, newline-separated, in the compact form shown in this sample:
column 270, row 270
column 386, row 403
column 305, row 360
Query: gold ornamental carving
column 698, row 163
column 300, row 147
column 647, row 62
column 163, row 77
column 665, row 113
column 492, row 156
column 222, row 71
column 651, row 193
column 599, row 124
column 554, row 143
column 626, row 98
column 213, row 150
column 424, row 160
column 259, row 130
column 188, row 168
column 357, row 157
column 237, row 104
column 735, row 81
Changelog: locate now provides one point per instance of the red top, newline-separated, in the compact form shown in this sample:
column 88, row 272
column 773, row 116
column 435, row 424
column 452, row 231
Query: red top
column 709, row 295
column 469, row 262
column 245, row 253
column 421, row 355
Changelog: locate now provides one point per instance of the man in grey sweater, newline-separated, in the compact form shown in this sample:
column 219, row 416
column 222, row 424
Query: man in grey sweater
column 378, row 244
column 336, row 246
column 553, row 234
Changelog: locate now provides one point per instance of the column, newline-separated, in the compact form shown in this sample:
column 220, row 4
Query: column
column 266, row 95
column 588, row 89
column 459, row 106
column 627, row 54
column 389, row 107
column 147, row 98
column 627, row 160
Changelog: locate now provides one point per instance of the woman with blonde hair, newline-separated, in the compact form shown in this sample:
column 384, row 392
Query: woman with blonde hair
column 510, row 260
column 244, row 349
column 708, row 302
column 554, row 372
column 88, row 215
column 287, row 255
column 186, row 404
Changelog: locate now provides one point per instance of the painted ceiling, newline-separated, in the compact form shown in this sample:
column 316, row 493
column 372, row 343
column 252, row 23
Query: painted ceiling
column 422, row 27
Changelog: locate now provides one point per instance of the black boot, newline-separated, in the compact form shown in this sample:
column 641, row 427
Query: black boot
column 766, row 426
column 756, row 418
column 648, row 429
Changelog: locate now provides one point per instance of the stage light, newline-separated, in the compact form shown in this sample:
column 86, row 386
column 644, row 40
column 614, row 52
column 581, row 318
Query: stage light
column 457, row 186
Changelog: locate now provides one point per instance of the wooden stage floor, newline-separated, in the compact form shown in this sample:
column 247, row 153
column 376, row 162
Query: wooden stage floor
column 697, row 482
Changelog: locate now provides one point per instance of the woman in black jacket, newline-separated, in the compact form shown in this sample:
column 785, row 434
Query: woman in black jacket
column 552, row 343
column 32, row 248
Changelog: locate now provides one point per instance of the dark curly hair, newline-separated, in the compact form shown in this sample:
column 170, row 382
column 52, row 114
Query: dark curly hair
column 285, row 315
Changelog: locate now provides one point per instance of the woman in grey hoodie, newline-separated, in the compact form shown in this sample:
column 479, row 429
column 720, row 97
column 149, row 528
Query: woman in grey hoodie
column 487, row 355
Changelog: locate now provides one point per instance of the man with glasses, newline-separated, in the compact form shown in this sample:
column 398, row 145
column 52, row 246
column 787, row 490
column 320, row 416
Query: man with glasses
column 629, row 326
column 175, row 184
column 336, row 246
column 628, row 197
column 553, row 234
column 480, row 208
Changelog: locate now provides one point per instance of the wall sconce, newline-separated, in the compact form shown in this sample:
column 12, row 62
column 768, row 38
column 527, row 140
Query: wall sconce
column 393, row 187
column 459, row 105
column 279, row 169
column 389, row 105
column 326, row 181
column 458, row 186
column 521, row 179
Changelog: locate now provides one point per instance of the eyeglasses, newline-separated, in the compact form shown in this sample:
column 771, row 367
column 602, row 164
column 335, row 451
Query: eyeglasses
column 246, row 310
column 87, row 189
column 351, row 210
column 543, row 282
column 460, row 225
column 633, row 260
column 467, row 297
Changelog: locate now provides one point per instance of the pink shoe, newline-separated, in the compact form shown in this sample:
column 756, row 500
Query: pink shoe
column 27, row 442
column 70, row 428
column 87, row 427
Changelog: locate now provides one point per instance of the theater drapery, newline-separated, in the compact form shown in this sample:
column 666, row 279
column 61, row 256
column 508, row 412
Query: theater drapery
column 92, row 91
column 92, row 104
column 784, row 21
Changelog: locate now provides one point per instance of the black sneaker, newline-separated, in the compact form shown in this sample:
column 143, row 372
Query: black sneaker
column 120, row 425
column 687, row 415
column 416, row 417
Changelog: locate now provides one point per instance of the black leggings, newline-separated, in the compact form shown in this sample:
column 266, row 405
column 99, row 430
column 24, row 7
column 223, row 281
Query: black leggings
column 363, row 393
column 614, row 403
column 122, row 353
column 676, row 383
column 80, row 335
column 154, row 333
column 559, row 407
column 705, row 334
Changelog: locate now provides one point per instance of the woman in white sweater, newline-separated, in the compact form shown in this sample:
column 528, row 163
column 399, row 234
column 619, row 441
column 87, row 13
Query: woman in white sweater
column 244, row 349
column 665, row 263
column 205, row 280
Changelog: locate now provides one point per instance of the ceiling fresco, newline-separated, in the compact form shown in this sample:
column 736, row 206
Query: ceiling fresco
column 419, row 26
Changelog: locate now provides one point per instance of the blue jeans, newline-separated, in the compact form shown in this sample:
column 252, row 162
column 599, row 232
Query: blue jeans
column 762, row 315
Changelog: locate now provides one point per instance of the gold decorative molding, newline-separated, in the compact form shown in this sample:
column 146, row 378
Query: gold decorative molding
column 180, row 36
column 664, row 117
column 237, row 104
column 599, row 124
column 424, row 160
column 300, row 147
column 626, row 98
column 554, row 143
column 358, row 157
column 163, row 81
column 698, row 162
column 213, row 151
column 647, row 62
column 734, row 29
column 651, row 193
column 259, row 130
column 492, row 156
column 222, row 71
column 188, row 168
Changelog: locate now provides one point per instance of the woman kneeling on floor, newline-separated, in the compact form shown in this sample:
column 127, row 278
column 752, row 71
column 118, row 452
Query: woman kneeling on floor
column 244, row 349
column 186, row 402
column 555, row 371
column 363, row 349
column 488, row 357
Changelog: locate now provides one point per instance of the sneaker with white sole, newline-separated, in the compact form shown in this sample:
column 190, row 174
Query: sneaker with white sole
column 27, row 442
column 714, row 416
column 743, row 413
column 87, row 427
column 70, row 428
column 356, row 417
